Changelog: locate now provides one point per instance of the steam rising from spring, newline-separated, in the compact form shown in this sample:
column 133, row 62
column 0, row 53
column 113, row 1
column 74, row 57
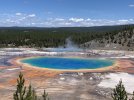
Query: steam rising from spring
column 70, row 44
column 69, row 47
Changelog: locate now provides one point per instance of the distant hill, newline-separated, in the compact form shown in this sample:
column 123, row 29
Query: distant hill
column 106, row 37
column 71, row 29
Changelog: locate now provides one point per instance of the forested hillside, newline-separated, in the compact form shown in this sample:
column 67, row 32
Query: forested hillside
column 119, row 40
column 54, row 37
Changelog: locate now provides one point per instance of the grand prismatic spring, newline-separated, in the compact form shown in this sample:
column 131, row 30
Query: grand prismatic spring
column 61, row 63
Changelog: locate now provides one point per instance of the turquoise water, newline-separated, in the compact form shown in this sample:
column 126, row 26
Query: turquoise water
column 68, row 63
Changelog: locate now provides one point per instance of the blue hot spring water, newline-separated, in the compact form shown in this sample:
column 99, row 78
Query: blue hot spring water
column 68, row 63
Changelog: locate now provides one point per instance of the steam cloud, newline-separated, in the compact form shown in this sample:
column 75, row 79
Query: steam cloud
column 70, row 44
column 69, row 47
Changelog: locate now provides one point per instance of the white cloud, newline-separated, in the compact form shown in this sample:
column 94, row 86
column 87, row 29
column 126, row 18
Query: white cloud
column 55, row 22
column 67, row 23
column 131, row 5
column 131, row 19
column 88, row 19
column 18, row 14
column 22, row 19
column 32, row 15
column 33, row 23
column 59, row 19
column 123, row 20
column 76, row 19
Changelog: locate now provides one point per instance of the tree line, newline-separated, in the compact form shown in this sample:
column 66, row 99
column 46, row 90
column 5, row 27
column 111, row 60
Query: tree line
column 55, row 37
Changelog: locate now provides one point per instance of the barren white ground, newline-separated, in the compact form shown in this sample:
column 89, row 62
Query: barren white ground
column 112, row 79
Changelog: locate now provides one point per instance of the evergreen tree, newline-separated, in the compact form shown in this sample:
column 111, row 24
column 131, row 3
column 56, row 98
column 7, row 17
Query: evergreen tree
column 45, row 96
column 22, row 94
column 119, row 93
column 21, row 89
column 31, row 94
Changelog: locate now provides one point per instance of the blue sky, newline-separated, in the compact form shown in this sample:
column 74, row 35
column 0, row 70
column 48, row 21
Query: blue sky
column 58, row 13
